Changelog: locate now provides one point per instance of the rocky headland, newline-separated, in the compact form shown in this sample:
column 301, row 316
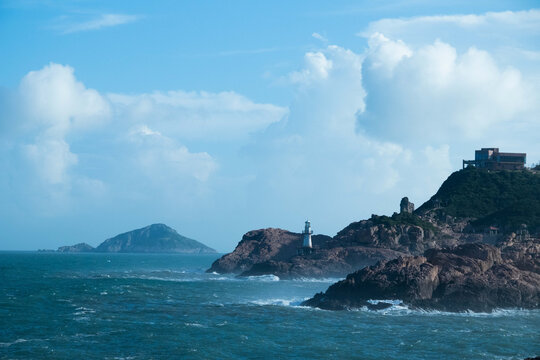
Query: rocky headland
column 155, row 238
column 477, row 238
column 275, row 251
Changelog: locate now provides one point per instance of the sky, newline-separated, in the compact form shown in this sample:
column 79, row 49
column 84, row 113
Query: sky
column 219, row 117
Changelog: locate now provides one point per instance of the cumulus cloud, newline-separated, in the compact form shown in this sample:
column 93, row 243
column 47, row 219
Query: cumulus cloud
column 52, row 159
column 441, row 92
column 161, row 157
column 100, row 22
column 507, row 35
column 225, row 116
column 53, row 98
column 71, row 139
column 386, row 54
column 53, row 104
column 317, row 68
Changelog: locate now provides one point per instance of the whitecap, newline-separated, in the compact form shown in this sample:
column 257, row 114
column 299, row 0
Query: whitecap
column 399, row 308
column 197, row 325
column 316, row 280
column 385, row 301
column 2, row 344
column 263, row 278
column 279, row 302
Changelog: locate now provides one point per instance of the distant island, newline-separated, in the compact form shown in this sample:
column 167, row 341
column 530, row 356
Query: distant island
column 422, row 256
column 155, row 238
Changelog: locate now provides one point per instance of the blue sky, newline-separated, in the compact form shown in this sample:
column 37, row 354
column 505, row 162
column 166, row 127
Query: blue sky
column 218, row 117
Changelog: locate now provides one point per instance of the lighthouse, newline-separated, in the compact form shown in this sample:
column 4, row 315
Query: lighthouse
column 307, row 235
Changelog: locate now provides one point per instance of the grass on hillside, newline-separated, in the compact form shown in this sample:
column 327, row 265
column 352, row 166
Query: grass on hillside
column 504, row 198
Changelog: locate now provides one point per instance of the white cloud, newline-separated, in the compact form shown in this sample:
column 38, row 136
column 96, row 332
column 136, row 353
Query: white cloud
column 102, row 21
column 528, row 20
column 54, row 104
column 54, row 99
column 317, row 68
column 319, row 37
column 442, row 94
column 386, row 54
column 225, row 116
column 163, row 158
column 52, row 159
column 507, row 35
column 72, row 140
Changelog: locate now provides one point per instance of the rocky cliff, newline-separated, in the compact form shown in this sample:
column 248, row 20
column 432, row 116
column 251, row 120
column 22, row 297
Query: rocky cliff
column 275, row 251
column 475, row 277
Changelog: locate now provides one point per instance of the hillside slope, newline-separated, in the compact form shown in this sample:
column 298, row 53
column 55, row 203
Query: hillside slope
column 503, row 198
column 156, row 238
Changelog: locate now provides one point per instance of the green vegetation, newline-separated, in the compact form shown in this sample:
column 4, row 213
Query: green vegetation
column 403, row 219
column 503, row 198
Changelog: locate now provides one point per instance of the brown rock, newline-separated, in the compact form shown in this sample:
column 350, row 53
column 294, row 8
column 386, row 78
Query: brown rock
column 469, row 277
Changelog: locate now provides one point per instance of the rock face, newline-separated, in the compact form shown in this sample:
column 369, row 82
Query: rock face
column 156, row 238
column 403, row 236
column 332, row 262
column 81, row 247
column 473, row 277
column 274, row 251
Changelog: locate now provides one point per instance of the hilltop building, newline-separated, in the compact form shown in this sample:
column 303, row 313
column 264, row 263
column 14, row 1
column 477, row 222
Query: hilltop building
column 492, row 159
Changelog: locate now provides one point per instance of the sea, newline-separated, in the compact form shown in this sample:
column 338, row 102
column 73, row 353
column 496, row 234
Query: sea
column 164, row 306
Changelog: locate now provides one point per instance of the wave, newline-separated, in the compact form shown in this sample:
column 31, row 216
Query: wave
column 8, row 344
column 315, row 280
column 263, row 278
column 197, row 325
column 278, row 302
column 397, row 307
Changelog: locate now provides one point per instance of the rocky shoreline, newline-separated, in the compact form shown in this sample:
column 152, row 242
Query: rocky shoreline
column 471, row 277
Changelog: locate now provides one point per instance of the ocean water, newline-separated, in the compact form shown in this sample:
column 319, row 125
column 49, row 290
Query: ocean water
column 131, row 306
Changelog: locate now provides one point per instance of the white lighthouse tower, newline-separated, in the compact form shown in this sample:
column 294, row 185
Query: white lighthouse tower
column 307, row 235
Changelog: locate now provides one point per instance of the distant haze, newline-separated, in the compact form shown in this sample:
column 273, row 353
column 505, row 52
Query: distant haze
column 249, row 115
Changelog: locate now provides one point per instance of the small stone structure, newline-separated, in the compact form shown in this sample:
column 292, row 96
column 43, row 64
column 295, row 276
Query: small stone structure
column 406, row 206
column 522, row 234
